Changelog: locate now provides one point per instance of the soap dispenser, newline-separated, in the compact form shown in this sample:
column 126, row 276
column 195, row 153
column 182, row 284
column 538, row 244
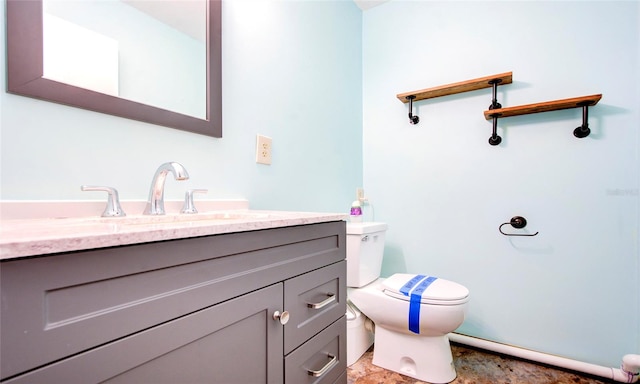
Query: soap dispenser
column 355, row 216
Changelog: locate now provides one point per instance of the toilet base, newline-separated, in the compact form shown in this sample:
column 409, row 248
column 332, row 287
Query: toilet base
column 424, row 358
column 359, row 338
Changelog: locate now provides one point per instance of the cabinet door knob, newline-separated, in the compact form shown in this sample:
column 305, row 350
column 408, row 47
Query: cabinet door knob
column 282, row 317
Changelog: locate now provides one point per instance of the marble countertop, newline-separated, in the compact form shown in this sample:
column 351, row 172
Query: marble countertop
column 40, row 236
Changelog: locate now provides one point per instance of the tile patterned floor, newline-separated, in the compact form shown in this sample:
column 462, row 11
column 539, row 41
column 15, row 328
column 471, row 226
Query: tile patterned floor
column 475, row 366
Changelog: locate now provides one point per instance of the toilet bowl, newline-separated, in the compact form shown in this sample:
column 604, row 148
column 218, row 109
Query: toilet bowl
column 411, row 330
column 412, row 313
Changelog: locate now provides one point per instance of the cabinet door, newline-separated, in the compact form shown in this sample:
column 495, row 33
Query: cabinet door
column 237, row 341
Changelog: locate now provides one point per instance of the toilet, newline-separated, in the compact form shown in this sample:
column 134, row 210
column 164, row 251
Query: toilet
column 411, row 313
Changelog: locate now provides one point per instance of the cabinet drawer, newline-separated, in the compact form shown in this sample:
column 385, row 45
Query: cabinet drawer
column 314, row 300
column 342, row 379
column 322, row 359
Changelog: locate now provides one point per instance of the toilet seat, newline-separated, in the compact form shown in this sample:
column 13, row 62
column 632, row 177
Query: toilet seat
column 433, row 290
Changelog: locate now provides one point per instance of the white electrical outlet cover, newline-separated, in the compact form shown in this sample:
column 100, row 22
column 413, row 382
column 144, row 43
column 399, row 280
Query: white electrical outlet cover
column 263, row 150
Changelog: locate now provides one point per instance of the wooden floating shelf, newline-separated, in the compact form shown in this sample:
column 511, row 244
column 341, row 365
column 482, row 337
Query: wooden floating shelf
column 495, row 110
column 463, row 86
column 546, row 106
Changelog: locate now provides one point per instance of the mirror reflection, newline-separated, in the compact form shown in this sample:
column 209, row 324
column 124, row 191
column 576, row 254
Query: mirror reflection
column 151, row 52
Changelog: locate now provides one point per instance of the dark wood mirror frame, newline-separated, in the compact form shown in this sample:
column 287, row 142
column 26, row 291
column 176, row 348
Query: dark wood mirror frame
column 25, row 70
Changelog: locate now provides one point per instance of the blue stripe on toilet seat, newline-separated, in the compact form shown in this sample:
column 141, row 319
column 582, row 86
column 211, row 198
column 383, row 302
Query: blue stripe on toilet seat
column 415, row 301
column 405, row 289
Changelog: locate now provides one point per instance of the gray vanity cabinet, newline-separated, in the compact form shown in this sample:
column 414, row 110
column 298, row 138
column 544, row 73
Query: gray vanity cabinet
column 197, row 310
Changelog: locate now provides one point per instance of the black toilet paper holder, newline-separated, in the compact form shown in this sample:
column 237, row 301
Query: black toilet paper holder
column 517, row 222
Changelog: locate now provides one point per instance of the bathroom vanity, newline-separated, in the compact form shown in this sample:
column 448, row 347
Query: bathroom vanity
column 253, row 300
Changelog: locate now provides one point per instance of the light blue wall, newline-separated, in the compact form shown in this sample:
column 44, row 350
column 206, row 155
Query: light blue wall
column 291, row 71
column 443, row 190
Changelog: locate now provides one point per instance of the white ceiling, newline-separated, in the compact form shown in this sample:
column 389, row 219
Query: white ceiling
column 368, row 4
column 181, row 14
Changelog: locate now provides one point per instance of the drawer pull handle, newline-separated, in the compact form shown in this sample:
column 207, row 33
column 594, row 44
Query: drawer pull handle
column 323, row 303
column 283, row 317
column 328, row 366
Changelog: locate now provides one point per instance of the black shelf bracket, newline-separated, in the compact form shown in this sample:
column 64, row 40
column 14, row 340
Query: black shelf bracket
column 494, row 98
column 495, row 139
column 413, row 119
column 583, row 130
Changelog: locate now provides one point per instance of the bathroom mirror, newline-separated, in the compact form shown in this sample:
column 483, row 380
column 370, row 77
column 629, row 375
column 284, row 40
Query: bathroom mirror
column 30, row 54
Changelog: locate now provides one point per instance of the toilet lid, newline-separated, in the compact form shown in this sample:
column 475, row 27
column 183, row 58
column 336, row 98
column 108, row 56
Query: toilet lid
column 365, row 228
column 432, row 290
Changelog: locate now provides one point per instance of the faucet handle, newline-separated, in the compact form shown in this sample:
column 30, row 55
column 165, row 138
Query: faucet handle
column 188, row 206
column 113, row 208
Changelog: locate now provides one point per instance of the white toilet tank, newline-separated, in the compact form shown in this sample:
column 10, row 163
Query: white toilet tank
column 365, row 246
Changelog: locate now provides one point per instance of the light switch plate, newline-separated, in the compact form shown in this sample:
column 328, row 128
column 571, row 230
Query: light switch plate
column 263, row 150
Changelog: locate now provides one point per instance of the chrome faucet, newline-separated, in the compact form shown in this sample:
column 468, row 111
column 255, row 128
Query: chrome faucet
column 155, row 203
